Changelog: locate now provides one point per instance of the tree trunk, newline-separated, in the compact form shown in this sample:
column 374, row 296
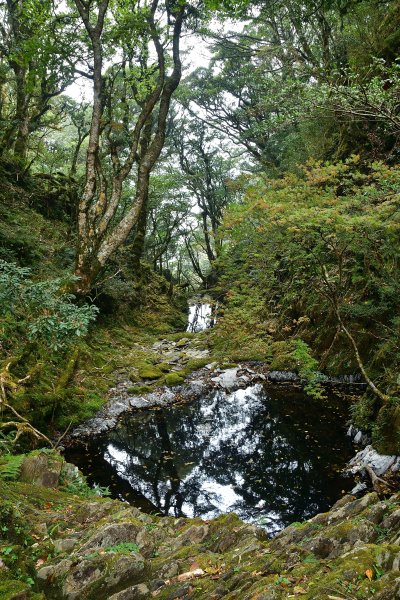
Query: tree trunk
column 140, row 236
column 100, row 232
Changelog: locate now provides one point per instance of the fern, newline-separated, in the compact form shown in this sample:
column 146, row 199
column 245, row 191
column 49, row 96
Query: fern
column 10, row 466
column 6, row 442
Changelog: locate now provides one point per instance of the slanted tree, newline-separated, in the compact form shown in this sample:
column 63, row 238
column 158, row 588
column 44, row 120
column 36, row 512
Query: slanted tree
column 129, row 114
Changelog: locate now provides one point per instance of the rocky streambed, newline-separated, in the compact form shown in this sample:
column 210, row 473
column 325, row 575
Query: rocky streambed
column 241, row 438
column 188, row 458
column 57, row 544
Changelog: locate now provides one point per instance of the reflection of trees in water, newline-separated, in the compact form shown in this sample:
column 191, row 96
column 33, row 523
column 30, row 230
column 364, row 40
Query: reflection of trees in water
column 275, row 453
column 201, row 316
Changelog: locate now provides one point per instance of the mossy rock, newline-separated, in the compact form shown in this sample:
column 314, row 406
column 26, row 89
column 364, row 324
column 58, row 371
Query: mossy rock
column 183, row 342
column 139, row 389
column 150, row 372
column 178, row 336
column 181, row 373
column 196, row 363
column 164, row 367
column 12, row 589
column 172, row 379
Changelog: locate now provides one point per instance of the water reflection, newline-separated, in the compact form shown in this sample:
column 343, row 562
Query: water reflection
column 200, row 317
column 272, row 457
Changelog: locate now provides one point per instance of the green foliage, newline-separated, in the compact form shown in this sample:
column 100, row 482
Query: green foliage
column 123, row 548
column 10, row 466
column 301, row 247
column 308, row 369
column 78, row 485
column 6, row 443
column 40, row 311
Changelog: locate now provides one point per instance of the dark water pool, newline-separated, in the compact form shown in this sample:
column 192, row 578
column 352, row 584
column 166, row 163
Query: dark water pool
column 271, row 454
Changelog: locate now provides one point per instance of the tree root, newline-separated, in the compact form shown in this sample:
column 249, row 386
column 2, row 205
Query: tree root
column 377, row 482
column 7, row 383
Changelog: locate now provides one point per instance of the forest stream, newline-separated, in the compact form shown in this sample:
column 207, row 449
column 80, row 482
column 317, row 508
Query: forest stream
column 268, row 452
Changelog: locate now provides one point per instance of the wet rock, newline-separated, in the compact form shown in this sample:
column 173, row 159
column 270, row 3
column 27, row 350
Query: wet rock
column 228, row 379
column 211, row 366
column 197, row 387
column 359, row 488
column 138, row 402
column 380, row 463
column 358, row 436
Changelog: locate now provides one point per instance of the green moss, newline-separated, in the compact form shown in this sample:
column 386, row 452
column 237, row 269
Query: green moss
column 194, row 364
column 164, row 367
column 150, row 372
column 11, row 589
column 177, row 336
column 139, row 389
column 183, row 342
column 172, row 379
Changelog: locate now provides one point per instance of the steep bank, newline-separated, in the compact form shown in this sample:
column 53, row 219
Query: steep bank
column 58, row 545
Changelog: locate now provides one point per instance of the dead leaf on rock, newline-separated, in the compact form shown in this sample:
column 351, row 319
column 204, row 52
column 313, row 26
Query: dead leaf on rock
column 190, row 575
column 369, row 573
column 298, row 590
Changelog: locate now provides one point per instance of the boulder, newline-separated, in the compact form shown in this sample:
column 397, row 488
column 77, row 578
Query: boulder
column 42, row 469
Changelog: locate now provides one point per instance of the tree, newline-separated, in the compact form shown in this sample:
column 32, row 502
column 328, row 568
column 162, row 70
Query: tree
column 34, row 41
column 169, row 209
column 209, row 174
column 147, row 84
column 263, row 82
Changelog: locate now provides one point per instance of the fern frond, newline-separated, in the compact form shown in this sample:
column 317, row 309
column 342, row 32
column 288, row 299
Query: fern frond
column 10, row 466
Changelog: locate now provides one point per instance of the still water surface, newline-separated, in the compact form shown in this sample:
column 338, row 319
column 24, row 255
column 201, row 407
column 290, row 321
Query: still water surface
column 271, row 454
column 200, row 317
